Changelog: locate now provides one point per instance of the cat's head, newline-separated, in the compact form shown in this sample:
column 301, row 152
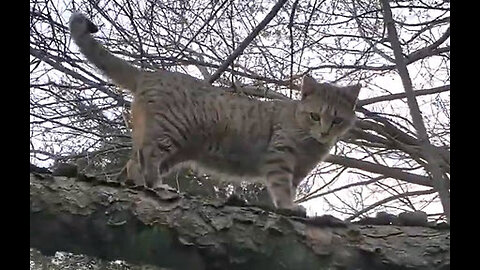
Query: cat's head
column 328, row 111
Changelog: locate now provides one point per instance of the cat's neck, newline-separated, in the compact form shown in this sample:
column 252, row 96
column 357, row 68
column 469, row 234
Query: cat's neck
column 285, row 112
column 286, row 116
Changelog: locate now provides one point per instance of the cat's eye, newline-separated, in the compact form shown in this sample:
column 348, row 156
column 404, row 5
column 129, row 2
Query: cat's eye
column 337, row 121
column 315, row 116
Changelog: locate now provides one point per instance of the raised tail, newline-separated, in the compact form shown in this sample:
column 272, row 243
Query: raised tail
column 120, row 71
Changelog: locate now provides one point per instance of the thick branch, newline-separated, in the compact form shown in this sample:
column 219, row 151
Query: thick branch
column 172, row 230
column 432, row 47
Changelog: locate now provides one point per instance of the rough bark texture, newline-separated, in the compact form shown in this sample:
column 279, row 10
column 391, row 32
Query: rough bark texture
column 91, row 217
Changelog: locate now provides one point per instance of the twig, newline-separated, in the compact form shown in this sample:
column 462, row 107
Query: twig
column 391, row 198
column 313, row 195
column 201, row 28
column 247, row 41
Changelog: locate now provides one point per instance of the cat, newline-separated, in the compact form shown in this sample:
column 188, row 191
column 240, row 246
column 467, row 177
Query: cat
column 176, row 122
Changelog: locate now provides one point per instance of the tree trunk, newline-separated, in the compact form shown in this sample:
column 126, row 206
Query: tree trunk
column 87, row 216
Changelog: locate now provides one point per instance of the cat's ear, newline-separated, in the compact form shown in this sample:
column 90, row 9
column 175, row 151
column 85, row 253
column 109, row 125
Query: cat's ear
column 351, row 93
column 308, row 86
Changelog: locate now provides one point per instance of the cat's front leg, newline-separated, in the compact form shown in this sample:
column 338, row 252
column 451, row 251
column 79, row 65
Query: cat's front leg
column 279, row 167
column 282, row 190
column 280, row 187
column 149, row 161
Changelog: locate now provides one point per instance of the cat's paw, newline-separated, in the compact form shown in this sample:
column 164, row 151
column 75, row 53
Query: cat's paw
column 295, row 210
column 80, row 25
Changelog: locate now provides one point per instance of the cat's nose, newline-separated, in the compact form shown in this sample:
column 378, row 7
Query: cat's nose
column 324, row 134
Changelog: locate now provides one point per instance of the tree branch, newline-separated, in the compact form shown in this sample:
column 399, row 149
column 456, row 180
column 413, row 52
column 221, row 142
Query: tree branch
column 429, row 151
column 174, row 230
column 391, row 198
column 42, row 56
column 395, row 173
column 404, row 95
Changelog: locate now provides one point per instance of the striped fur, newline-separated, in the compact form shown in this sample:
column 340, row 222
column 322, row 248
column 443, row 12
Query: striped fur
column 177, row 122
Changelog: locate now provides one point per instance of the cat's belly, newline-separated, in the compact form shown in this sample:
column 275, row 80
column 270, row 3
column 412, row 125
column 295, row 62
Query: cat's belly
column 235, row 165
column 229, row 174
column 234, row 161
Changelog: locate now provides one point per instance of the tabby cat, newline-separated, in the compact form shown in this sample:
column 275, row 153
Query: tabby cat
column 176, row 122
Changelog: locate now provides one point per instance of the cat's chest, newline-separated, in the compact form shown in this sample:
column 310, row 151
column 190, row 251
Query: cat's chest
column 308, row 154
column 312, row 148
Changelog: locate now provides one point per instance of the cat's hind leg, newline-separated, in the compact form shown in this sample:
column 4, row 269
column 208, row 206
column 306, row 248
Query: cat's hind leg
column 156, row 160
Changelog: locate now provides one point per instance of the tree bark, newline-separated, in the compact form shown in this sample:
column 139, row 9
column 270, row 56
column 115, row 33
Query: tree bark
column 87, row 216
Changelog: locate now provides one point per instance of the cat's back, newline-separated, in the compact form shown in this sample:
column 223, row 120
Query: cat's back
column 214, row 128
column 164, row 90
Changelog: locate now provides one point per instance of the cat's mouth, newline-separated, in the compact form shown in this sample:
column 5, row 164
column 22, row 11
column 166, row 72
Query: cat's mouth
column 324, row 138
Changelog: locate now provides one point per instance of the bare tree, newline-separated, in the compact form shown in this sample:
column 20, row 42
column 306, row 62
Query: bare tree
column 396, row 158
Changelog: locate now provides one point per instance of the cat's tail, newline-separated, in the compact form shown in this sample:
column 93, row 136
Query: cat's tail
column 120, row 71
